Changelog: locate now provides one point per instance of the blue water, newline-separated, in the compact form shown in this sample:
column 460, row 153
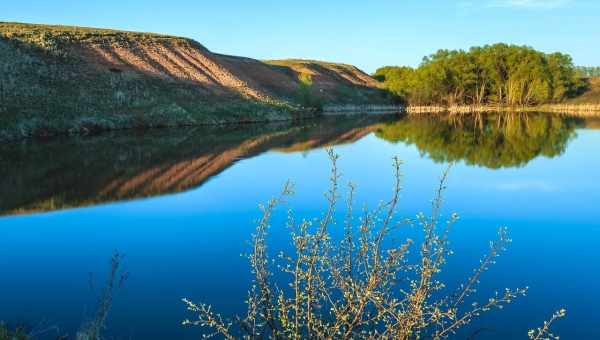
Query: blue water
column 188, row 244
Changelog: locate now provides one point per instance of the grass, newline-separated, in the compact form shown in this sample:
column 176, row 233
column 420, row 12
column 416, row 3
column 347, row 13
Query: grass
column 362, row 284
column 43, row 34
column 297, row 62
column 333, row 84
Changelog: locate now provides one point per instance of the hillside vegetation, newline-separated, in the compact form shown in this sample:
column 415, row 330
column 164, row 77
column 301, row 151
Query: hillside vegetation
column 57, row 79
column 591, row 94
column 498, row 74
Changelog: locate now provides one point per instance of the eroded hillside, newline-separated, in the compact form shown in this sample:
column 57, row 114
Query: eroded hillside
column 58, row 79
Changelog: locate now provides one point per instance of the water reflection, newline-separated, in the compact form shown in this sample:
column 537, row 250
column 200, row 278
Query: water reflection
column 490, row 140
column 189, row 244
column 77, row 172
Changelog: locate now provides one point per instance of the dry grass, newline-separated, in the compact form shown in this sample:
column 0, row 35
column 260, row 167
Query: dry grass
column 360, row 285
column 295, row 62
column 37, row 33
column 579, row 110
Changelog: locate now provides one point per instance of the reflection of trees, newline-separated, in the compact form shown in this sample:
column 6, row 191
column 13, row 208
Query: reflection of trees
column 489, row 140
column 119, row 166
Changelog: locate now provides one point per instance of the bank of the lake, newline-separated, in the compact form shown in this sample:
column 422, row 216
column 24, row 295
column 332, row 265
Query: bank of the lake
column 580, row 110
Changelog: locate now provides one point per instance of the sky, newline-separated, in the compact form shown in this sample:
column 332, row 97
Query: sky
column 368, row 34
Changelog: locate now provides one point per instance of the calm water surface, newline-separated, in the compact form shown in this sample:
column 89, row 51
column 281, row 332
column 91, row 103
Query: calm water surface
column 181, row 206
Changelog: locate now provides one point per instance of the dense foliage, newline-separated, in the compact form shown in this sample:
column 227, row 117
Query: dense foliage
column 493, row 74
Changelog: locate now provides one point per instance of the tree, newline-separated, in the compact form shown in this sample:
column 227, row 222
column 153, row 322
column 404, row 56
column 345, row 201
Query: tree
column 493, row 74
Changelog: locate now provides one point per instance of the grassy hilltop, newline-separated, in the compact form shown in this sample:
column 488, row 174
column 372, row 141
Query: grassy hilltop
column 59, row 79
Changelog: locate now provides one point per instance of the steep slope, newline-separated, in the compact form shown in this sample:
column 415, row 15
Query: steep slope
column 57, row 79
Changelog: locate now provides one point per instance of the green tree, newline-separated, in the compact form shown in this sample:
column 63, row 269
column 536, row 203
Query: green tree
column 493, row 74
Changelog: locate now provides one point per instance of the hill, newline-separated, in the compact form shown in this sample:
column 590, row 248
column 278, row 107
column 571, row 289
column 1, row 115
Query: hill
column 58, row 79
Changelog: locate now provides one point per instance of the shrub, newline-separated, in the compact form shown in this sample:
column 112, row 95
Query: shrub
column 306, row 96
column 360, row 285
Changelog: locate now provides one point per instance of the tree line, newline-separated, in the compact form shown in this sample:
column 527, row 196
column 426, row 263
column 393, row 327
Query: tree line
column 589, row 71
column 493, row 74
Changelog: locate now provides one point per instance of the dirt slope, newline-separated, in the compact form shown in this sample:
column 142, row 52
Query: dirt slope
column 60, row 78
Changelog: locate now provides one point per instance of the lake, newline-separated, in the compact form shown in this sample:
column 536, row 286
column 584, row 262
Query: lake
column 181, row 206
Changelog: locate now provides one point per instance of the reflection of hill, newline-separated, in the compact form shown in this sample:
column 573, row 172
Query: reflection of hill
column 80, row 172
column 489, row 140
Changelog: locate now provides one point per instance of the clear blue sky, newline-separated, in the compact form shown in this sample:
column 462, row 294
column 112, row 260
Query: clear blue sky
column 368, row 34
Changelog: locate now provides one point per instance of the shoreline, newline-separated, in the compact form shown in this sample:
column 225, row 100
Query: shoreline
column 369, row 109
column 82, row 131
column 573, row 110
column 580, row 110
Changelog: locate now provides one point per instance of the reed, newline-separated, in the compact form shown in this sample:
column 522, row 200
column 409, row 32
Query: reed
column 92, row 329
